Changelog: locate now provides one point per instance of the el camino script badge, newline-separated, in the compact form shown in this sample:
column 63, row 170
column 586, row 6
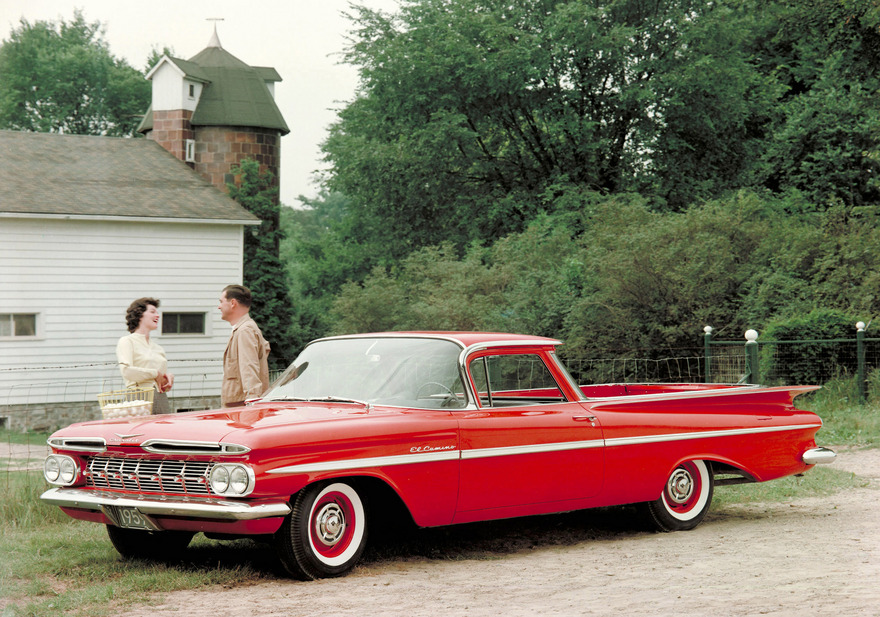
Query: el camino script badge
column 431, row 448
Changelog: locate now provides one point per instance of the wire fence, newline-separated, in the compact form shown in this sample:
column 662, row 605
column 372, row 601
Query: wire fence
column 30, row 411
column 794, row 362
column 678, row 369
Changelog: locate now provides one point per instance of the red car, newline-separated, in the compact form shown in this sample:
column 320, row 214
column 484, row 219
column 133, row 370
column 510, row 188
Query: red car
column 455, row 427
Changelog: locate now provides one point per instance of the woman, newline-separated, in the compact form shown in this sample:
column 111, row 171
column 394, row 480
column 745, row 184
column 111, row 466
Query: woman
column 141, row 360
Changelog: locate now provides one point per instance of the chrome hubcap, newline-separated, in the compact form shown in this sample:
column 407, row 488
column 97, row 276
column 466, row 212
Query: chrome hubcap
column 330, row 524
column 680, row 486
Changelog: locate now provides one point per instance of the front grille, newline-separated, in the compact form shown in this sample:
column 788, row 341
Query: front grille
column 172, row 477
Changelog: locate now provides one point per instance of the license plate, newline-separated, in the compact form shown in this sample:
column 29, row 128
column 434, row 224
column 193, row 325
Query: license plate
column 130, row 518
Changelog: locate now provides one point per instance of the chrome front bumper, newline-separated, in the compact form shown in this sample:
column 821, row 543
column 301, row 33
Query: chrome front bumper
column 187, row 507
column 819, row 456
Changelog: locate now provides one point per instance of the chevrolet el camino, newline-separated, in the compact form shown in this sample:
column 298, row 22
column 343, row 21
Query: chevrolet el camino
column 454, row 427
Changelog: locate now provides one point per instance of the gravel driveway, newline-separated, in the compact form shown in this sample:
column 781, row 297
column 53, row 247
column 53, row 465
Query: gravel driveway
column 816, row 556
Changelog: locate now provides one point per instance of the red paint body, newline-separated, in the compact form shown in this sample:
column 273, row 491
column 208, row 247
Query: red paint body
column 526, row 454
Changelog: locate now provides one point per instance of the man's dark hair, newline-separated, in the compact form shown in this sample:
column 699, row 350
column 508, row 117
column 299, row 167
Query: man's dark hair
column 136, row 310
column 240, row 294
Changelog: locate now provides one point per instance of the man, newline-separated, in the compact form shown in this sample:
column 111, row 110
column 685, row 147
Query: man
column 245, row 361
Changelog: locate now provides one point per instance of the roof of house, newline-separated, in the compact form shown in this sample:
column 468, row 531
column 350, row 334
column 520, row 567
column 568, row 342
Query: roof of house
column 47, row 174
column 235, row 94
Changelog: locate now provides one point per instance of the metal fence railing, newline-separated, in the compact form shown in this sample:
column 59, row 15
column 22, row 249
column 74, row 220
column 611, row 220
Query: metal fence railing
column 792, row 362
column 51, row 403
column 678, row 369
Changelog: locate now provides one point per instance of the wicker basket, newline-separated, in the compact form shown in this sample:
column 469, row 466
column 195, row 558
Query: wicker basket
column 130, row 403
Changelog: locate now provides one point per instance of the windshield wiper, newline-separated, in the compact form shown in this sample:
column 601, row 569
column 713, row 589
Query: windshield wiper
column 338, row 399
column 320, row 399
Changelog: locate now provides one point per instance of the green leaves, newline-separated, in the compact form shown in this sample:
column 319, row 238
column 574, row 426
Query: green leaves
column 61, row 77
column 264, row 273
column 616, row 173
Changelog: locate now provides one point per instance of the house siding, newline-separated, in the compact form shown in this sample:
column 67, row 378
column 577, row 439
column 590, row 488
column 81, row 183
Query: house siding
column 80, row 276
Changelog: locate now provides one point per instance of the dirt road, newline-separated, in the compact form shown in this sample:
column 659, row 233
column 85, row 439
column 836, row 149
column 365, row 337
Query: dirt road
column 809, row 557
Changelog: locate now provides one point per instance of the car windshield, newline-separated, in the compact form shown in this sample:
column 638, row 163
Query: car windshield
column 407, row 372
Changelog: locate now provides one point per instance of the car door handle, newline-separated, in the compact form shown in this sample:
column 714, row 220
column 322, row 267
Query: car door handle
column 584, row 418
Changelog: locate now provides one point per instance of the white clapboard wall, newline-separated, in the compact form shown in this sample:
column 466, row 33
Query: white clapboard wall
column 79, row 276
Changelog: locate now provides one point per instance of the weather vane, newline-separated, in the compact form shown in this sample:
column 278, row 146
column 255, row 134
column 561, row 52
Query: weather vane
column 215, row 40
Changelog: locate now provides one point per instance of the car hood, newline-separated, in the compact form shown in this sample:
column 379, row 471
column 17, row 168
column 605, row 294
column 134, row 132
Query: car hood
column 219, row 424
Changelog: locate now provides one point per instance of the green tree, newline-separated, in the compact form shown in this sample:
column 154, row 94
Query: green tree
column 264, row 274
column 826, row 56
column 623, row 172
column 61, row 77
column 156, row 54
column 320, row 258
column 470, row 111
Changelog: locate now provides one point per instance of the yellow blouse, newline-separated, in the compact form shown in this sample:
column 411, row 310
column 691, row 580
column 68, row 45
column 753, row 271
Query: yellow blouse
column 141, row 361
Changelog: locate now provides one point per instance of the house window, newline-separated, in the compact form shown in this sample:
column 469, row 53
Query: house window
column 190, row 151
column 192, row 91
column 18, row 325
column 183, row 323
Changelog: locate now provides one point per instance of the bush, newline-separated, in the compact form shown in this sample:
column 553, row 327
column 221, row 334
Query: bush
column 806, row 360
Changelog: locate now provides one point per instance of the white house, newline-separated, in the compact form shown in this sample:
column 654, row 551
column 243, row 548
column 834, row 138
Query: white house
column 88, row 224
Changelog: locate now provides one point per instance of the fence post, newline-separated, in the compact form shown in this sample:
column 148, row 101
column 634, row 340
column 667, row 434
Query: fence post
column 707, row 355
column 752, row 356
column 860, row 356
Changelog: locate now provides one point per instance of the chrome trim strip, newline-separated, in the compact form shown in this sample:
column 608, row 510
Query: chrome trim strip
column 406, row 459
column 644, row 439
column 532, row 449
column 180, row 446
column 819, row 456
column 376, row 461
column 196, row 508
column 86, row 444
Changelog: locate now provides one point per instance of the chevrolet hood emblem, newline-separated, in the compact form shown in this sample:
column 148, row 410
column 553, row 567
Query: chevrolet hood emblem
column 131, row 436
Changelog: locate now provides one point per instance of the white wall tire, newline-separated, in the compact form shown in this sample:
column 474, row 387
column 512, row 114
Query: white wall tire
column 326, row 532
column 685, row 499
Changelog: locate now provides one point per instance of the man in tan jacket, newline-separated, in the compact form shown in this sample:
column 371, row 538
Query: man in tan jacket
column 245, row 361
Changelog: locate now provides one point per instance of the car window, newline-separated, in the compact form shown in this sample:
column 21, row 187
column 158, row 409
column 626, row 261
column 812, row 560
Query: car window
column 407, row 372
column 513, row 379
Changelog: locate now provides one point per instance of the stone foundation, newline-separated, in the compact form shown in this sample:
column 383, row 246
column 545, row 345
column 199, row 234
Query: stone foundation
column 49, row 417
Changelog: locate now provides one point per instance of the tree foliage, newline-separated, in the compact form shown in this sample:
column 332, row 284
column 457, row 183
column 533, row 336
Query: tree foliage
column 264, row 274
column 61, row 77
column 633, row 279
column 616, row 173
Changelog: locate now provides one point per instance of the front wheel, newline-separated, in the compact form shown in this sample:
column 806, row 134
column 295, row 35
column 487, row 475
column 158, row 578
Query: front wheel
column 685, row 499
column 326, row 532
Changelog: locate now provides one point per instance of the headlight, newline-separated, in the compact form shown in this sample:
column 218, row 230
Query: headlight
column 232, row 480
column 238, row 480
column 51, row 469
column 68, row 470
column 60, row 470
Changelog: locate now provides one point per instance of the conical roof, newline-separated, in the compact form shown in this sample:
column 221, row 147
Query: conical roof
column 235, row 94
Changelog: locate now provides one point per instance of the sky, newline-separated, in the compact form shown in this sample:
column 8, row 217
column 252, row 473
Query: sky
column 302, row 39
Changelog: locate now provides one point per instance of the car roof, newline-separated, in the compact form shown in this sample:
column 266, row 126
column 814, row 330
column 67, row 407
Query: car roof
column 465, row 339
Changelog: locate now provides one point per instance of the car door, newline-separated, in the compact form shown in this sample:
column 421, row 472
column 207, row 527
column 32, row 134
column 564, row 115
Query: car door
column 526, row 444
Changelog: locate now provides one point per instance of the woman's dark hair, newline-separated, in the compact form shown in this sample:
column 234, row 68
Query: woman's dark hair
column 136, row 310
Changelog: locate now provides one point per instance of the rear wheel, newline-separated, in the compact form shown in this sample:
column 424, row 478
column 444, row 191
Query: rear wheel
column 153, row 545
column 685, row 499
column 326, row 532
